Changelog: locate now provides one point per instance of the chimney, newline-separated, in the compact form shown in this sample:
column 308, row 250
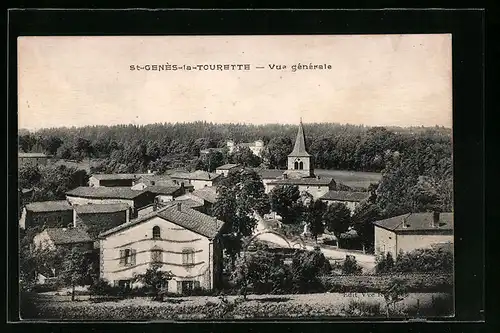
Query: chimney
column 178, row 206
column 435, row 219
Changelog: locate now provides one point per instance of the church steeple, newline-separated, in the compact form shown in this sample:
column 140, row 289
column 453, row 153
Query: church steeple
column 299, row 149
column 299, row 160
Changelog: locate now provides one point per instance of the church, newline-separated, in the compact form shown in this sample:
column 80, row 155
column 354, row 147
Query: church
column 300, row 171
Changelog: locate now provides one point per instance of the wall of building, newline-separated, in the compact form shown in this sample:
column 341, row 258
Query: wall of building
column 165, row 198
column 315, row 191
column 305, row 160
column 43, row 241
column 94, row 182
column 139, row 186
column 85, row 201
column 202, row 183
column 173, row 240
column 49, row 219
column 96, row 223
column 407, row 243
column 385, row 242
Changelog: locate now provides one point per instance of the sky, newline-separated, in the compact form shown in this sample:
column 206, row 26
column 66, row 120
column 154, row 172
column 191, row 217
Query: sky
column 374, row 80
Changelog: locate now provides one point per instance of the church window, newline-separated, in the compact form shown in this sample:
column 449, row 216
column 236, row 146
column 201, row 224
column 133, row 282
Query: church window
column 296, row 165
column 156, row 232
column 301, row 165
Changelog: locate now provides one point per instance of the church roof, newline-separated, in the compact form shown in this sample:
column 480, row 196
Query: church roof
column 299, row 149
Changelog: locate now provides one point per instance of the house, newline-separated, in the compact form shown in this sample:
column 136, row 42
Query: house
column 112, row 180
column 199, row 179
column 350, row 199
column 32, row 159
column 413, row 231
column 205, row 197
column 180, row 239
column 158, row 180
column 166, row 193
column 47, row 213
column 256, row 147
column 300, row 171
column 53, row 238
column 224, row 169
column 109, row 195
column 96, row 218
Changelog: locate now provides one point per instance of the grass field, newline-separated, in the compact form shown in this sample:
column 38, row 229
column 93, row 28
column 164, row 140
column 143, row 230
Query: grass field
column 351, row 178
column 234, row 307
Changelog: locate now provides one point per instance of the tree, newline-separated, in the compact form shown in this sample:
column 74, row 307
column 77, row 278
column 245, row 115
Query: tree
column 51, row 144
column 307, row 267
column 338, row 218
column 245, row 157
column 56, row 180
column 314, row 216
column 75, row 269
column 350, row 266
column 212, row 160
column 394, row 292
column 29, row 176
column 276, row 152
column 155, row 279
column 285, row 201
column 240, row 195
column 364, row 216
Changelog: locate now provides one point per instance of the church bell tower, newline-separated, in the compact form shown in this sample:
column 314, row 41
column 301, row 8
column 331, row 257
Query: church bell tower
column 299, row 160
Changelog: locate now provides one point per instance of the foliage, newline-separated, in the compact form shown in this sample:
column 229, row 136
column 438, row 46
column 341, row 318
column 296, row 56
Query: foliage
column 395, row 292
column 245, row 157
column 29, row 176
column 241, row 194
column 314, row 216
column 75, row 269
column 211, row 161
column 101, row 287
column 155, row 279
column 359, row 308
column 362, row 220
column 285, row 201
column 424, row 260
column 350, row 266
column 384, row 263
column 306, row 269
column 337, row 218
column 275, row 154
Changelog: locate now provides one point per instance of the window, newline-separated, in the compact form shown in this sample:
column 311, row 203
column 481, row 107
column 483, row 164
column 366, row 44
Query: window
column 157, row 255
column 156, row 232
column 188, row 257
column 127, row 257
column 301, row 165
column 296, row 165
column 187, row 286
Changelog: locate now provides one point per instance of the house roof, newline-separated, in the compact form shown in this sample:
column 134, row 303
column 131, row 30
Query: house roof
column 165, row 190
column 49, row 206
column 100, row 208
column 190, row 203
column 417, row 222
column 196, row 175
column 270, row 173
column 181, row 215
column 299, row 149
column 345, row 196
column 303, row 181
column 115, row 176
column 106, row 192
column 68, row 235
column 208, row 193
column 32, row 155
column 227, row 166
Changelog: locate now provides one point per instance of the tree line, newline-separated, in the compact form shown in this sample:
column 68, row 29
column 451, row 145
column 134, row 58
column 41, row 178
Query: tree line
column 132, row 148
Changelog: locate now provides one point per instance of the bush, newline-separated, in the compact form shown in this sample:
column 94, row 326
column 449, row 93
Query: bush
column 384, row 263
column 357, row 308
column 102, row 287
column 424, row 260
column 307, row 267
column 351, row 266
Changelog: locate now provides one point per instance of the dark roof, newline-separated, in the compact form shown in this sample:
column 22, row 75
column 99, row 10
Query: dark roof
column 299, row 149
column 32, row 155
column 165, row 190
column 190, row 203
column 187, row 217
column 115, row 176
column 417, row 222
column 345, row 196
column 68, row 235
column 106, row 192
column 100, row 208
column 270, row 173
column 196, row 175
column 208, row 193
column 49, row 206
column 303, row 181
column 227, row 166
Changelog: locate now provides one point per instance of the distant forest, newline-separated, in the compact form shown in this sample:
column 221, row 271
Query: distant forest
column 131, row 148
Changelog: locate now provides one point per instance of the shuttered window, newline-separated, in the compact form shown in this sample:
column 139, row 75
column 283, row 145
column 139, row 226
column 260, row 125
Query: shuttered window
column 156, row 255
column 188, row 257
column 127, row 257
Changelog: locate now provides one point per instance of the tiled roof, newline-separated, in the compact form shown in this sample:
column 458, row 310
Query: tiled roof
column 114, row 176
column 105, row 192
column 299, row 149
column 100, row 208
column 68, row 235
column 227, row 166
column 345, row 196
column 185, row 217
column 49, row 206
column 165, row 190
column 417, row 222
column 208, row 193
column 190, row 203
column 196, row 175
column 303, row 181
column 32, row 155
column 270, row 173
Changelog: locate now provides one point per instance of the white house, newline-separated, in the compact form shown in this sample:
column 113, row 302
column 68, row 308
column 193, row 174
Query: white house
column 224, row 169
column 413, row 231
column 350, row 199
column 198, row 179
column 182, row 240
